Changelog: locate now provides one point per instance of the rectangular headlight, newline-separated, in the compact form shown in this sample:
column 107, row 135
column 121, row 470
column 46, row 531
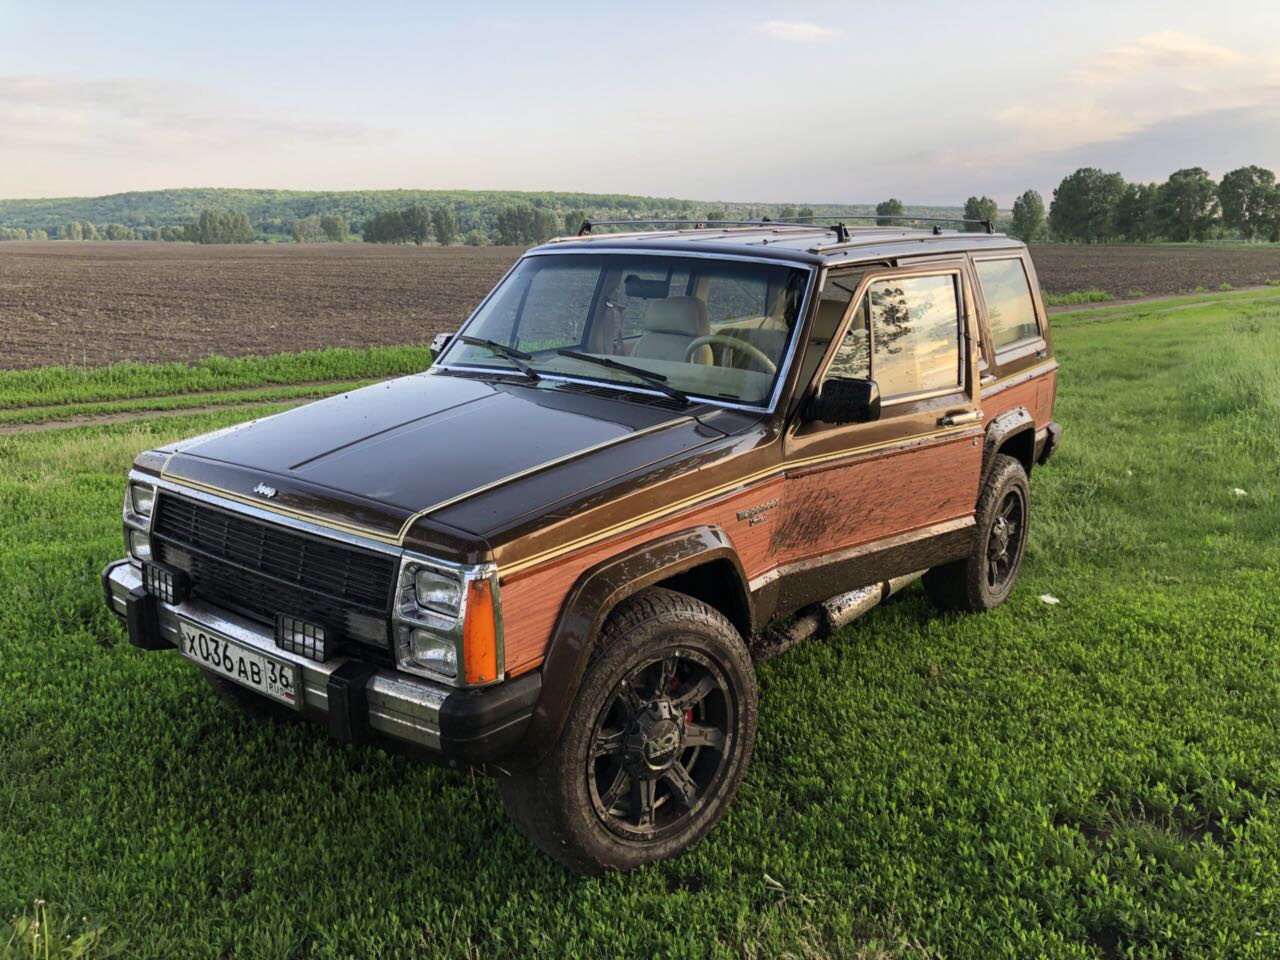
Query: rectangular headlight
column 142, row 498
column 438, row 591
column 433, row 652
column 139, row 544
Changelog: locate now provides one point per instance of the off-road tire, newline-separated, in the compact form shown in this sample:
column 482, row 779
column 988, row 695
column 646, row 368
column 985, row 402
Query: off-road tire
column 966, row 584
column 248, row 703
column 558, row 805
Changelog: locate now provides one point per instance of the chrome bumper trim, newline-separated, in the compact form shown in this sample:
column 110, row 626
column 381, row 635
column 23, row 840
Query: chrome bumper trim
column 400, row 706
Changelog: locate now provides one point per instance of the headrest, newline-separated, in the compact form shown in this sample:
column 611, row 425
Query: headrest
column 685, row 316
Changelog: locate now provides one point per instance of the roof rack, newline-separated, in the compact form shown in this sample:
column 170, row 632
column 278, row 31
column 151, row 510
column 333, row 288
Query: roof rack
column 840, row 230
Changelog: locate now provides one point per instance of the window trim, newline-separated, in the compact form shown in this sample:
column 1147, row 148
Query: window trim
column 1002, row 353
column 951, row 268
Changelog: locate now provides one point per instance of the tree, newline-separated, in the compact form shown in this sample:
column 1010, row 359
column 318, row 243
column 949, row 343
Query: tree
column 804, row 213
column 978, row 208
column 1244, row 195
column 888, row 209
column 88, row 230
column 513, row 223
column 545, row 225
column 417, row 223
column 1084, row 205
column 475, row 238
column 573, row 221
column 387, row 226
column 1028, row 216
column 73, row 230
column 1187, row 204
column 787, row 213
column 334, row 227
column 445, row 225
column 307, row 230
column 219, row 226
column 1135, row 217
column 715, row 213
column 117, row 231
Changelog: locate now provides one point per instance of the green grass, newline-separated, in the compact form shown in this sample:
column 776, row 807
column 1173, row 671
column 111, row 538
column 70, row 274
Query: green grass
column 121, row 381
column 1093, row 779
column 182, row 402
column 1076, row 297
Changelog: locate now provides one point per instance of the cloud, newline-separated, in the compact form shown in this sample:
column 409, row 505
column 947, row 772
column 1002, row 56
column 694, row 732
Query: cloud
column 1167, row 50
column 51, row 109
column 1121, row 91
column 796, row 31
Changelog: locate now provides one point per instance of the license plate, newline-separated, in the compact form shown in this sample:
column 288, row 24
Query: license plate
column 270, row 677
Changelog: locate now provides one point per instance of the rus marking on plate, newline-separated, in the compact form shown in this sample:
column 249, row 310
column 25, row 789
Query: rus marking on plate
column 756, row 515
column 263, row 490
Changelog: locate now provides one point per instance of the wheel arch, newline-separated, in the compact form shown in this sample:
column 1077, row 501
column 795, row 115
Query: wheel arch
column 1012, row 433
column 701, row 562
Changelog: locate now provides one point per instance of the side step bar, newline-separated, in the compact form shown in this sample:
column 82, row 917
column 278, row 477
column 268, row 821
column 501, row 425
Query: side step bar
column 824, row 619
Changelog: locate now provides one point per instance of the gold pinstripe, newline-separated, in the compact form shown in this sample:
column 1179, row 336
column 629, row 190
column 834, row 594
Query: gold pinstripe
column 554, row 553
column 1030, row 373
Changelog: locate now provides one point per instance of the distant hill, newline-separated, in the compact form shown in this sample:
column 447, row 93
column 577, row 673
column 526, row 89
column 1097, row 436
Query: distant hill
column 272, row 212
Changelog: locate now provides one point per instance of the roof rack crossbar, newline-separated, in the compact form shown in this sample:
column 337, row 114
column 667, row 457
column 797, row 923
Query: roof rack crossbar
column 839, row 228
column 589, row 225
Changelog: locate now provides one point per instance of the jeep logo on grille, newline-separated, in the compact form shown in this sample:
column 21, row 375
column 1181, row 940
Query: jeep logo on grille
column 263, row 490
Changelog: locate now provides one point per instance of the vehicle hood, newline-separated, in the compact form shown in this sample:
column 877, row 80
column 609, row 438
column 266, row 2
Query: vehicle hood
column 377, row 459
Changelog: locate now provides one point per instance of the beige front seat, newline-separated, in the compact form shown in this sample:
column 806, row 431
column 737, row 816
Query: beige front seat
column 669, row 326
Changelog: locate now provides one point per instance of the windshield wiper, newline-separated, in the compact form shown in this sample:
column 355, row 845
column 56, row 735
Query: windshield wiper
column 517, row 357
column 655, row 380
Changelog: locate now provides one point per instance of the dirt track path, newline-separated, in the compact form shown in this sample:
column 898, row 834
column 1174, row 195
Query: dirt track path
column 124, row 417
column 1208, row 296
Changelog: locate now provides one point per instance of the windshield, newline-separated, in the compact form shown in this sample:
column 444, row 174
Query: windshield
column 717, row 329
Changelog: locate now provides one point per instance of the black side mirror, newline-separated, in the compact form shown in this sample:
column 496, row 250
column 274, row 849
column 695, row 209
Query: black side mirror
column 440, row 341
column 845, row 400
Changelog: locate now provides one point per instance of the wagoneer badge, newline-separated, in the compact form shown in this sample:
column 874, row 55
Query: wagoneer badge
column 263, row 490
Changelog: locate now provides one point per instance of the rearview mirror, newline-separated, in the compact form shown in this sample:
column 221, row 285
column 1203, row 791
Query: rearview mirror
column 645, row 288
column 845, row 400
column 440, row 341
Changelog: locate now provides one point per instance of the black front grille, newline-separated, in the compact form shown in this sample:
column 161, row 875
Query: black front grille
column 262, row 569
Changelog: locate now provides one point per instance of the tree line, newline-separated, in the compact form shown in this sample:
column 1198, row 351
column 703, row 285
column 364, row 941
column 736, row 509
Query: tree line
column 1088, row 206
column 1091, row 206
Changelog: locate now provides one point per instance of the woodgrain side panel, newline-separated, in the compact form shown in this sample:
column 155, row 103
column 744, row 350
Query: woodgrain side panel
column 849, row 503
column 1035, row 395
column 531, row 601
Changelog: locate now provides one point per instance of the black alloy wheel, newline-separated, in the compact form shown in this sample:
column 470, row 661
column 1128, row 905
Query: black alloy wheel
column 660, row 745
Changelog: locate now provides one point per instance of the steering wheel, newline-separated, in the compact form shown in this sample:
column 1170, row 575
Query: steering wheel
column 733, row 343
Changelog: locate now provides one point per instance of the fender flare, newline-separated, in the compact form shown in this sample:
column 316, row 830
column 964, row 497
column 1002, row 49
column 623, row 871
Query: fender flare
column 1000, row 430
column 592, row 598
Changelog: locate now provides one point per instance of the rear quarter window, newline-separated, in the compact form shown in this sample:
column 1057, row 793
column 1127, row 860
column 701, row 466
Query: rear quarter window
column 1011, row 314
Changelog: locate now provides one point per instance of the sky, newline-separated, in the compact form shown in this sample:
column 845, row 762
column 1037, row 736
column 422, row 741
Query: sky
column 837, row 102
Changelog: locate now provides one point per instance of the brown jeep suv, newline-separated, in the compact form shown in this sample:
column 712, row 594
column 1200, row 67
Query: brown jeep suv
column 647, row 460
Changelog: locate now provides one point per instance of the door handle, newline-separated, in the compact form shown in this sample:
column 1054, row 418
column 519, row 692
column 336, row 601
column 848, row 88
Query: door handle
column 960, row 418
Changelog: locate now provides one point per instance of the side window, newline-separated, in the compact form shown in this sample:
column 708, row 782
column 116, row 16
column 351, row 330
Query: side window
column 836, row 294
column 853, row 356
column 915, row 327
column 1010, row 311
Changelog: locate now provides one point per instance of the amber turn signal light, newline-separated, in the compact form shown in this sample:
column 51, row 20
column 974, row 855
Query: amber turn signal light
column 480, row 635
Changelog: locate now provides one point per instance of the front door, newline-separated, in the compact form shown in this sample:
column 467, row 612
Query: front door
column 867, row 501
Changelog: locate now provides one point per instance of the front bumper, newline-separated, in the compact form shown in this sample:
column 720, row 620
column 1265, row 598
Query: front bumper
column 360, row 702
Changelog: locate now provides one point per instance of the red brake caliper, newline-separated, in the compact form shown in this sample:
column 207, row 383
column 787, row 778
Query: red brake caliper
column 675, row 685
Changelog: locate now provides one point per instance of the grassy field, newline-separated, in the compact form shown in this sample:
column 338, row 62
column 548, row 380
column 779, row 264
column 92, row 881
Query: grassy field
column 1095, row 778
